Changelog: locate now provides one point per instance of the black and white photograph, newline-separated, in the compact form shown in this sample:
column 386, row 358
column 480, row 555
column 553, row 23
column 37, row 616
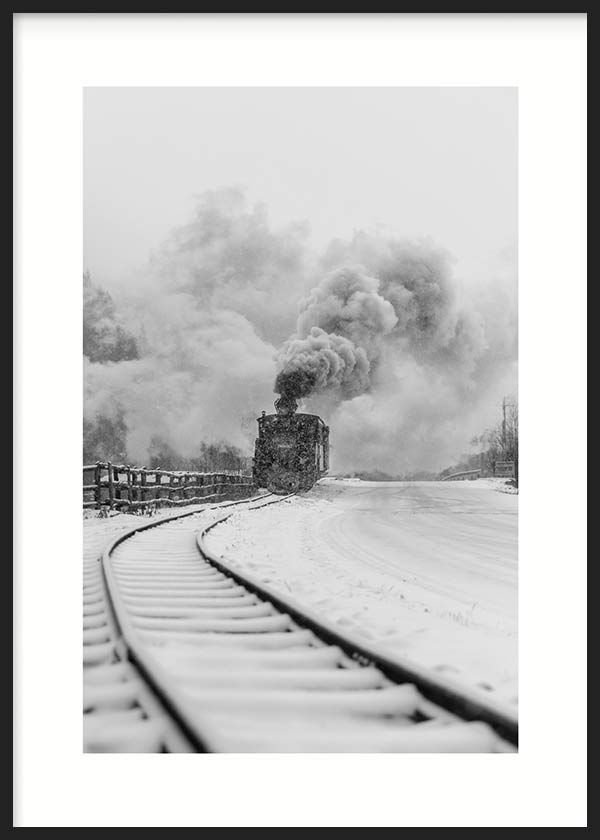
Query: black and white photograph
column 300, row 420
column 299, row 441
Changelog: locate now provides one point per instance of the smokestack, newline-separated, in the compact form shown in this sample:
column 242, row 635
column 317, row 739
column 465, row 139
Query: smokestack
column 286, row 405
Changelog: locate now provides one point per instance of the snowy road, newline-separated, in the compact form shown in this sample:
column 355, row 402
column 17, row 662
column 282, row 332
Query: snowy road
column 427, row 570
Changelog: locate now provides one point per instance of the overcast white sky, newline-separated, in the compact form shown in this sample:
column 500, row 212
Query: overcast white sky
column 434, row 161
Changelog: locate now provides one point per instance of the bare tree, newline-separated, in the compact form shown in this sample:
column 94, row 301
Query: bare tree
column 499, row 443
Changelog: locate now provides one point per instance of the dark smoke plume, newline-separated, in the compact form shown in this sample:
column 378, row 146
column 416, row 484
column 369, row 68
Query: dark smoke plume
column 338, row 337
column 322, row 362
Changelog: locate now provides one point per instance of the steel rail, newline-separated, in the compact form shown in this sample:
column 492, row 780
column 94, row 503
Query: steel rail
column 459, row 700
column 139, row 655
column 454, row 697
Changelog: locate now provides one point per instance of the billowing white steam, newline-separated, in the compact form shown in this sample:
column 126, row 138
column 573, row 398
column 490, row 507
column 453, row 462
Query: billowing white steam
column 385, row 343
column 204, row 312
column 433, row 363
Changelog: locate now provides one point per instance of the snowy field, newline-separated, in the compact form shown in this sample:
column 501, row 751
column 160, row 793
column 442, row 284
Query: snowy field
column 426, row 570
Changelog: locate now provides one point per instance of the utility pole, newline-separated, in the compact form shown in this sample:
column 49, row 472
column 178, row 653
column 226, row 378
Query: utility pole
column 510, row 403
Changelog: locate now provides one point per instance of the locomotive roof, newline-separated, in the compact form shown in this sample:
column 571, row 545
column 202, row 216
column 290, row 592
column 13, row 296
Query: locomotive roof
column 295, row 414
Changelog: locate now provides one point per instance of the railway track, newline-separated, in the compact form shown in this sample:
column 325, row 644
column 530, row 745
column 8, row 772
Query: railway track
column 198, row 657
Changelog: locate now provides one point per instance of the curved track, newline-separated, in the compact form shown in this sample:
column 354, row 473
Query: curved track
column 206, row 659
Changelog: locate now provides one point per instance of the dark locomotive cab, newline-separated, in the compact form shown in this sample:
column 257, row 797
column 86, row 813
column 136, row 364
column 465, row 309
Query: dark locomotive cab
column 291, row 451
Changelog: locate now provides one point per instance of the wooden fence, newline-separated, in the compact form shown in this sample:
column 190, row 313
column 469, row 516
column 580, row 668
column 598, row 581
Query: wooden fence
column 120, row 485
column 465, row 475
column 501, row 469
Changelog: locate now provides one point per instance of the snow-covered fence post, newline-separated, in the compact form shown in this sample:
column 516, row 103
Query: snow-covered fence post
column 111, row 485
column 97, row 482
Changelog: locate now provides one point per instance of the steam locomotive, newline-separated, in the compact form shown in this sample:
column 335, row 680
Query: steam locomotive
column 291, row 451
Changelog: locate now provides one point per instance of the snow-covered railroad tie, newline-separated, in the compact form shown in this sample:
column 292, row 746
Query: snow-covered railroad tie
column 234, row 667
column 121, row 712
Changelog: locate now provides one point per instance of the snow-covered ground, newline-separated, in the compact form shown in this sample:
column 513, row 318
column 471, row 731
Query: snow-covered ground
column 426, row 570
column 502, row 485
column 97, row 531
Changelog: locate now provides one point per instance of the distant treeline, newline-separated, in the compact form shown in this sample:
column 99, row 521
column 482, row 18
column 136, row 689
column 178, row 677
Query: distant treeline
column 105, row 439
column 500, row 443
column 105, row 340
